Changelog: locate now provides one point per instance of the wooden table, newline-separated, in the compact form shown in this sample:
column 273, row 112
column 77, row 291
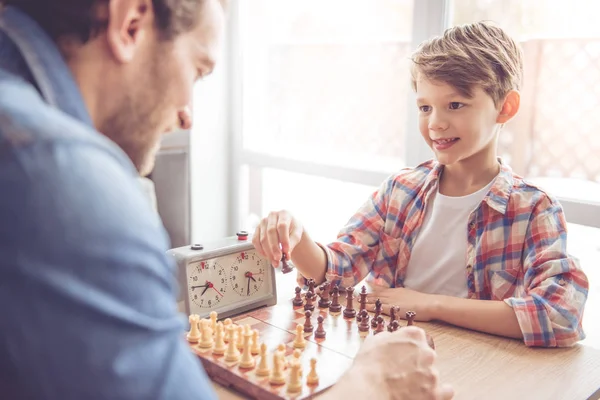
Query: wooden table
column 481, row 366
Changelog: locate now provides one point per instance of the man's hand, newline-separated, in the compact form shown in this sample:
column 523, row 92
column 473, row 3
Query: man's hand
column 397, row 365
column 277, row 233
column 406, row 299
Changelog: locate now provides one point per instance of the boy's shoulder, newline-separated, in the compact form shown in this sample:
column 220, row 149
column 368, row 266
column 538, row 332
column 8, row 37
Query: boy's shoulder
column 414, row 178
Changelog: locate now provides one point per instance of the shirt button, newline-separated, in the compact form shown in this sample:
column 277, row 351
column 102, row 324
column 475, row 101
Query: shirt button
column 469, row 266
column 471, row 225
column 562, row 282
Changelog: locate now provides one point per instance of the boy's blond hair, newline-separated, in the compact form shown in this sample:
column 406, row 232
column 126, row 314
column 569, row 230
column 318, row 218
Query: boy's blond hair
column 469, row 55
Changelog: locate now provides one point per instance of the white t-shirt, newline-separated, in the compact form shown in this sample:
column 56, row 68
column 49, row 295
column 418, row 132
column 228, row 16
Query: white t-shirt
column 438, row 259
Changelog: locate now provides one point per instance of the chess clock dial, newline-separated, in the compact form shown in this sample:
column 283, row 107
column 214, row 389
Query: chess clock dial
column 207, row 283
column 248, row 273
column 227, row 276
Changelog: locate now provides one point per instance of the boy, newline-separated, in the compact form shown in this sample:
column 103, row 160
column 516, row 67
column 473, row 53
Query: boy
column 460, row 239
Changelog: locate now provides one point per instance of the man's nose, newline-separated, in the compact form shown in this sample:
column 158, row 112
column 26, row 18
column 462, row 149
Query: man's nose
column 185, row 118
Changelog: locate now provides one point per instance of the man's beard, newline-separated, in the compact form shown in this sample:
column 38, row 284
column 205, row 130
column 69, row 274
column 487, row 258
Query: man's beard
column 139, row 118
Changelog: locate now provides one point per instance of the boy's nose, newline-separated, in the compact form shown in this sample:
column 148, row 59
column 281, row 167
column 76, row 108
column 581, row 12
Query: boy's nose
column 437, row 122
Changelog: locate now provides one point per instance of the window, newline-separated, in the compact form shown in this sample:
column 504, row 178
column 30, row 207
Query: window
column 323, row 101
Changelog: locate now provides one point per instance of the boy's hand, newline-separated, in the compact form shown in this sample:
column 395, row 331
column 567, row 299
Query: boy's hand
column 406, row 299
column 277, row 233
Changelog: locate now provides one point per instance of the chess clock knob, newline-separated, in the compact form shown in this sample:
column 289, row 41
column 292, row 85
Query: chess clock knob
column 227, row 276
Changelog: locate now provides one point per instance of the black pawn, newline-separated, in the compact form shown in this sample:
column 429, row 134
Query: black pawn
column 335, row 306
column 298, row 302
column 308, row 327
column 380, row 325
column 410, row 317
column 320, row 332
column 309, row 301
column 377, row 313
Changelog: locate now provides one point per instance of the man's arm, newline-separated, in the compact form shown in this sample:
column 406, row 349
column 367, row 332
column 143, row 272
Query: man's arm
column 90, row 311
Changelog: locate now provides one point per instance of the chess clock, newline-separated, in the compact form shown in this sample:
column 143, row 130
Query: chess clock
column 227, row 276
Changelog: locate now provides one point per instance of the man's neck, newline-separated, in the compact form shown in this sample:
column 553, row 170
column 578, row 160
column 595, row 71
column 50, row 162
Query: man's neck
column 468, row 176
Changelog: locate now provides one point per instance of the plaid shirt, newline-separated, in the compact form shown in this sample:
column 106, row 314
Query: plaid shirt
column 516, row 250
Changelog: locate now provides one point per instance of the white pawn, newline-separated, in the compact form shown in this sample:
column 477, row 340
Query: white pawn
column 297, row 355
column 295, row 382
column 312, row 378
column 240, row 337
column 247, row 360
column 213, row 320
column 220, row 346
column 194, row 334
column 299, row 342
column 263, row 365
column 255, row 346
column 232, row 354
column 277, row 376
column 207, row 339
column 226, row 323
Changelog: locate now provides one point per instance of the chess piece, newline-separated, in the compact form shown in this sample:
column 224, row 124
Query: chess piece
column 255, row 348
column 285, row 267
column 240, row 337
column 298, row 302
column 393, row 313
column 312, row 378
column 213, row 320
column 281, row 353
column 349, row 312
column 207, row 338
column 297, row 354
column 263, row 365
column 324, row 301
column 363, row 299
column 247, row 360
column 308, row 327
column 231, row 354
column 309, row 301
column 311, row 285
column 277, row 377
column 395, row 325
column 226, row 323
column 299, row 342
column 380, row 325
column 194, row 334
column 335, row 308
column 377, row 313
column 320, row 332
column 295, row 381
column 220, row 346
column 364, row 321
column 410, row 317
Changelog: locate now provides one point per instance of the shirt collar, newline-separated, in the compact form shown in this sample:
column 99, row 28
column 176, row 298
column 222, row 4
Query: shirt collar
column 499, row 194
column 52, row 76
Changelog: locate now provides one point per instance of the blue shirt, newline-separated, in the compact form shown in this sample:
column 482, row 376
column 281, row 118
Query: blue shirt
column 87, row 292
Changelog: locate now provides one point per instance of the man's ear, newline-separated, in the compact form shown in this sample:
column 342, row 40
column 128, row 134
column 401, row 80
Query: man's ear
column 128, row 24
column 509, row 109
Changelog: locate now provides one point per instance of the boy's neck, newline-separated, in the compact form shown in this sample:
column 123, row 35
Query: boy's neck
column 468, row 176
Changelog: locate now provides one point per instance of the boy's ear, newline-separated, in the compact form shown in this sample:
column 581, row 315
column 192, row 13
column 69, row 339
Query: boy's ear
column 510, row 107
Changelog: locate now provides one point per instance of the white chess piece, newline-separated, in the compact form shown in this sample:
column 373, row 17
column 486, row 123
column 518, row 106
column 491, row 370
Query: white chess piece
column 220, row 346
column 247, row 360
column 299, row 342
column 213, row 320
column 312, row 378
column 295, row 382
column 255, row 346
column 263, row 365
column 194, row 334
column 206, row 333
column 232, row 354
column 277, row 376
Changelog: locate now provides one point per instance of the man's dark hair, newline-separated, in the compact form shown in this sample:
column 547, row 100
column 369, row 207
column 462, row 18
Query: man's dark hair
column 79, row 18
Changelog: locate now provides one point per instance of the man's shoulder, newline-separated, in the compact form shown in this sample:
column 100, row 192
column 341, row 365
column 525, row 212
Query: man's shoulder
column 27, row 120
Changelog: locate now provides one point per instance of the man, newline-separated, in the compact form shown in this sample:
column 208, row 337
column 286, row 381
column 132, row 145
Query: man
column 87, row 293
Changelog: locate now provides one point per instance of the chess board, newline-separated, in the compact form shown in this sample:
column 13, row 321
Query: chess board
column 277, row 325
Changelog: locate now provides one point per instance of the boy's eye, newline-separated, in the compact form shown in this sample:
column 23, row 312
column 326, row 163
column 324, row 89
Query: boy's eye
column 424, row 108
column 455, row 105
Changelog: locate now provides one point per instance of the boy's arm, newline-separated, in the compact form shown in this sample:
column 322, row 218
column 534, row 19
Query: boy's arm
column 354, row 254
column 550, row 311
